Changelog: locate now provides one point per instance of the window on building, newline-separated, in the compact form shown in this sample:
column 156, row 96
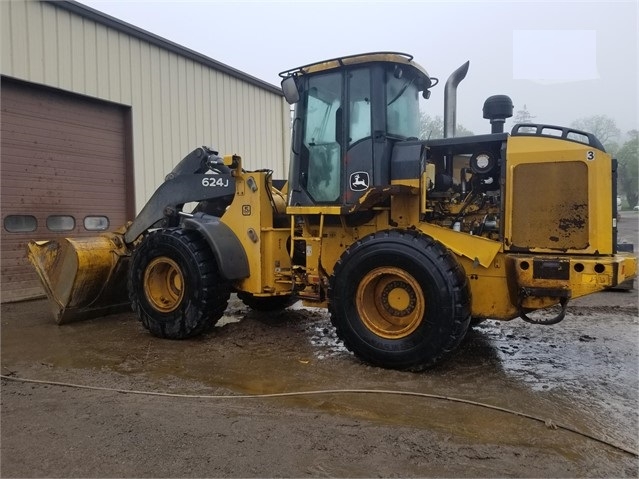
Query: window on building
column 96, row 223
column 60, row 223
column 20, row 223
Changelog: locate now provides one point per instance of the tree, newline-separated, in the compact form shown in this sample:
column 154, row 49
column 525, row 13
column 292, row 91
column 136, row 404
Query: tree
column 603, row 127
column 462, row 131
column 430, row 127
column 628, row 171
column 523, row 116
column 433, row 127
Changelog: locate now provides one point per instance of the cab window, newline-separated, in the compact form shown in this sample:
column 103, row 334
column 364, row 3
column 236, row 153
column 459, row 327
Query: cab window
column 324, row 114
column 402, row 106
column 359, row 105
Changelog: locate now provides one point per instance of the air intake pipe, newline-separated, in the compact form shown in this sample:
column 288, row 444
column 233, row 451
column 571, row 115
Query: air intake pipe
column 450, row 99
column 496, row 109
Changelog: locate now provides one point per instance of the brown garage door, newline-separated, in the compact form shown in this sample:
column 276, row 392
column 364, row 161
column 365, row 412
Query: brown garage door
column 64, row 174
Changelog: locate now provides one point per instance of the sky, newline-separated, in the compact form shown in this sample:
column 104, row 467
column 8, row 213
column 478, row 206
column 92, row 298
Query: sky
column 561, row 61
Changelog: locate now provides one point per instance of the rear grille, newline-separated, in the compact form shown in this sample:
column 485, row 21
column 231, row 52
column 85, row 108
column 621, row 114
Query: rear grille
column 550, row 206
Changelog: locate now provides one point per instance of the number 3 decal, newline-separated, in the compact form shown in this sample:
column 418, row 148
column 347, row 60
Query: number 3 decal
column 590, row 155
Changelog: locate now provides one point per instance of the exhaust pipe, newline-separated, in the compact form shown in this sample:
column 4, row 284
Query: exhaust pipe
column 450, row 99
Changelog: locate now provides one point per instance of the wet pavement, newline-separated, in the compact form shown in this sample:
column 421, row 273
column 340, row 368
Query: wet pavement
column 582, row 373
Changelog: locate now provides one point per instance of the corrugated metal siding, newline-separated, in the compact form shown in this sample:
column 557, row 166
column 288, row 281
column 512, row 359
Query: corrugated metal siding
column 177, row 103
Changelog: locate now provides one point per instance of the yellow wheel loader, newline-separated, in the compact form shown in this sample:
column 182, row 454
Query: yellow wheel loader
column 405, row 241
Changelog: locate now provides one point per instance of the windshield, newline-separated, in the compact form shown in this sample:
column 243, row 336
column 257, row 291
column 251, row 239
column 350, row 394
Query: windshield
column 402, row 103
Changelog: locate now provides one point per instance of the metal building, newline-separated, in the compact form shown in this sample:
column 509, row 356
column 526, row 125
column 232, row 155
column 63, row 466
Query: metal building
column 95, row 112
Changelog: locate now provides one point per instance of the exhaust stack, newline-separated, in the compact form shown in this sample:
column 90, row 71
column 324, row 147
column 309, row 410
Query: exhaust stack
column 450, row 99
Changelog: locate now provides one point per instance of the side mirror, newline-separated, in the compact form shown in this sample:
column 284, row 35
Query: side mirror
column 289, row 88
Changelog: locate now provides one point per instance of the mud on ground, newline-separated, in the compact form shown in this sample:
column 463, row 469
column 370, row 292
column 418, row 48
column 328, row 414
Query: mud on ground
column 582, row 373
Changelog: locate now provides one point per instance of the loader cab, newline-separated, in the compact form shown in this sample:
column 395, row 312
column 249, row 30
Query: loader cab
column 349, row 113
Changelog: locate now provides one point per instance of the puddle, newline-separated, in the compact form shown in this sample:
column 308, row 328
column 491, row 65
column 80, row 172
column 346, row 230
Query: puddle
column 322, row 336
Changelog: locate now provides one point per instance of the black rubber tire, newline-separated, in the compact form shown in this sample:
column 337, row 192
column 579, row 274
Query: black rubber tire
column 439, row 326
column 203, row 294
column 265, row 304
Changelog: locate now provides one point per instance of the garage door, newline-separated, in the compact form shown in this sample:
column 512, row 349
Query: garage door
column 64, row 174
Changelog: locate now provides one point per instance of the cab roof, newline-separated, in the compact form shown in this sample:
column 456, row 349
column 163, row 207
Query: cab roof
column 388, row 57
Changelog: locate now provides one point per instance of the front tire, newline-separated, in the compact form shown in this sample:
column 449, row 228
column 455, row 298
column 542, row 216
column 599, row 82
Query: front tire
column 399, row 299
column 174, row 284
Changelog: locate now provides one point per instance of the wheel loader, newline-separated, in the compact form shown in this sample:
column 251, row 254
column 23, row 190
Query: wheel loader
column 406, row 241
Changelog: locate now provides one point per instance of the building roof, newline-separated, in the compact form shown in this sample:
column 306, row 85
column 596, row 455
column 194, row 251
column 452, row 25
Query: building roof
column 127, row 28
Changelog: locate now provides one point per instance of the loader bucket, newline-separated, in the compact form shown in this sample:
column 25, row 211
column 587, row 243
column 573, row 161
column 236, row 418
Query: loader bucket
column 83, row 277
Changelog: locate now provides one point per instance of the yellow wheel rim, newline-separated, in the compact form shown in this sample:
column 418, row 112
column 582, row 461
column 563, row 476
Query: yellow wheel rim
column 164, row 284
column 390, row 302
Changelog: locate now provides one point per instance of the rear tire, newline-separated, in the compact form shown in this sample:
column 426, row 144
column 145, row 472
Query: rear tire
column 399, row 299
column 174, row 284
